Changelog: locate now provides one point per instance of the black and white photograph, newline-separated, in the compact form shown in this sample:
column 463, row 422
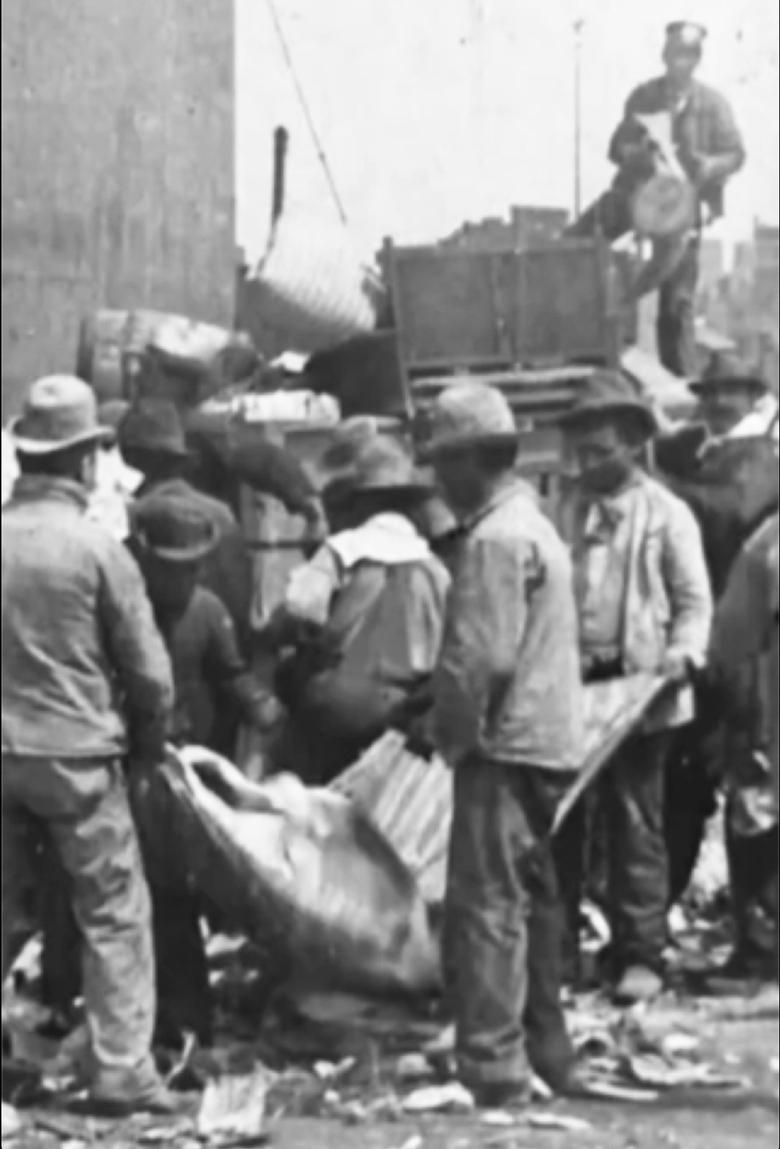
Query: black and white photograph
column 390, row 574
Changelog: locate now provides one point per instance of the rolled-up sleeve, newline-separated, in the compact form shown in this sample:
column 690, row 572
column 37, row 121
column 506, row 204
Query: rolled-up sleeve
column 484, row 625
column 688, row 583
column 138, row 654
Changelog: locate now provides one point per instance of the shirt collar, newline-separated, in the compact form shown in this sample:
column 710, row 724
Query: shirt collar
column 40, row 488
column 497, row 499
column 387, row 538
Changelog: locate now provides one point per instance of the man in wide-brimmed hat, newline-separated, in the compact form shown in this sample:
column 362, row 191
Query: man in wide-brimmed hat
column 709, row 148
column 152, row 440
column 364, row 614
column 734, row 399
column 173, row 537
column 86, row 680
column 645, row 606
column 507, row 717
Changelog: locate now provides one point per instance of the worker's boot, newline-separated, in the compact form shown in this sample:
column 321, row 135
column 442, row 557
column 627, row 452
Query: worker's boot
column 122, row 1095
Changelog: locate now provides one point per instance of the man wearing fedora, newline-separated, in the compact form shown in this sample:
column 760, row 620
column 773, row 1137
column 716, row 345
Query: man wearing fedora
column 363, row 618
column 710, row 149
column 735, row 401
column 86, row 681
column 507, row 718
column 644, row 606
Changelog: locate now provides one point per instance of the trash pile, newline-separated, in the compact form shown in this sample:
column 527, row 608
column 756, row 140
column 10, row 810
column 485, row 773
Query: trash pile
column 362, row 1063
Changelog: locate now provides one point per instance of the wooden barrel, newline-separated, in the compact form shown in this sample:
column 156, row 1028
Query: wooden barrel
column 108, row 337
column 105, row 337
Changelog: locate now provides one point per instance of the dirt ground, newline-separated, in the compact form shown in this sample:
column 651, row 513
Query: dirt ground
column 722, row 1119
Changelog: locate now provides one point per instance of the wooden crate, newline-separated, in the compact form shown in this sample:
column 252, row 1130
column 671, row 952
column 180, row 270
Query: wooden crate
column 480, row 311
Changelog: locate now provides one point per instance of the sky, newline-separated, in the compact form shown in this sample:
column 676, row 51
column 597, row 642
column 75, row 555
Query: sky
column 432, row 112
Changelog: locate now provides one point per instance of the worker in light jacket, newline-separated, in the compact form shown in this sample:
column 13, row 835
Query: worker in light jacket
column 644, row 605
column 710, row 150
column 361, row 622
column 507, row 717
column 86, row 681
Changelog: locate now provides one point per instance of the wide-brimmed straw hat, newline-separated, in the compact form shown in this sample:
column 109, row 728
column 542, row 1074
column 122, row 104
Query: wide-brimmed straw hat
column 153, row 425
column 60, row 412
column 467, row 414
column 605, row 394
column 174, row 529
column 370, row 463
column 725, row 367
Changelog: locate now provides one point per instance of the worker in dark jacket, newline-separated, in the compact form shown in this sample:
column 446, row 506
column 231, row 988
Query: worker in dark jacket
column 507, row 718
column 86, row 681
column 709, row 148
column 173, row 538
column 152, row 440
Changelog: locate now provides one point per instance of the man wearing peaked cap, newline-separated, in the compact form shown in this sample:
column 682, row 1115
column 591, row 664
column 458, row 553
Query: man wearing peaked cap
column 507, row 718
column 710, row 150
column 78, row 635
column 644, row 606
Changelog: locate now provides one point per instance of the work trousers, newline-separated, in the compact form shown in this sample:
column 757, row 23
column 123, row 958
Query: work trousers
column 753, row 873
column 610, row 216
column 82, row 805
column 630, row 815
column 503, row 926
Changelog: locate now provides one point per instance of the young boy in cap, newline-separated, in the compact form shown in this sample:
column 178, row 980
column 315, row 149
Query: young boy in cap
column 644, row 606
column 710, row 150
column 507, row 718
column 78, row 634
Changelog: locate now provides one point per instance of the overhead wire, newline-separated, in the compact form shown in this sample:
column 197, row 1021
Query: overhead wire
column 319, row 147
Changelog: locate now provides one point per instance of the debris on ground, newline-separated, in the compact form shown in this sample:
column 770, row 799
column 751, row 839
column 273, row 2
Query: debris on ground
column 12, row 1123
column 560, row 1121
column 450, row 1098
column 233, row 1109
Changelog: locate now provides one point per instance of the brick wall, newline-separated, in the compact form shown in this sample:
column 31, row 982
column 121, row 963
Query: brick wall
column 117, row 169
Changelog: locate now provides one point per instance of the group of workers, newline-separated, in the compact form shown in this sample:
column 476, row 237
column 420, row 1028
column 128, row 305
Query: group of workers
column 443, row 602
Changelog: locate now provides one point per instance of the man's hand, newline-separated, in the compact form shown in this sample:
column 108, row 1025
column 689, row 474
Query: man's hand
column 703, row 169
column 637, row 158
column 676, row 666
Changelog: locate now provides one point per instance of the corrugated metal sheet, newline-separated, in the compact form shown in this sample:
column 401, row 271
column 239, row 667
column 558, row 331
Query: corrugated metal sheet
column 410, row 799
column 117, row 160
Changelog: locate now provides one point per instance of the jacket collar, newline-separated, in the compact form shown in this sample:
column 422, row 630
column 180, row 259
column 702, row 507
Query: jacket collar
column 42, row 488
column 513, row 489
